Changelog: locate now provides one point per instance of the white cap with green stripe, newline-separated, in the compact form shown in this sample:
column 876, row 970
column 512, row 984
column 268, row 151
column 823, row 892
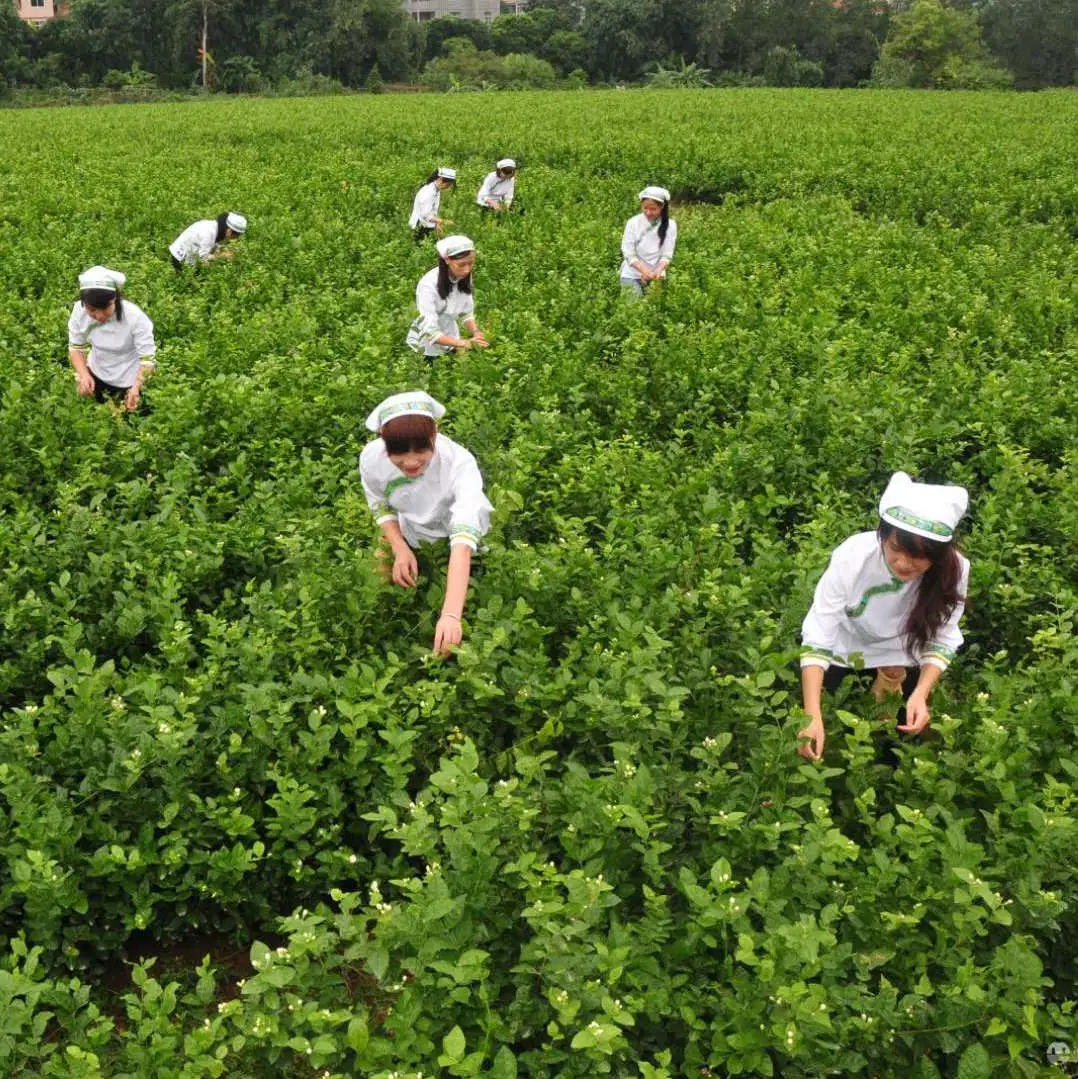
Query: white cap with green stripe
column 925, row 509
column 409, row 403
column 103, row 278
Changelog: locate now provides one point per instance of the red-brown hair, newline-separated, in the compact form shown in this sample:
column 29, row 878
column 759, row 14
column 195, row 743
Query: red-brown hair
column 937, row 590
column 404, row 433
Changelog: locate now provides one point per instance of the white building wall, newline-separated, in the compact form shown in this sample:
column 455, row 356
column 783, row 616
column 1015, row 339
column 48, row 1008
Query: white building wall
column 423, row 10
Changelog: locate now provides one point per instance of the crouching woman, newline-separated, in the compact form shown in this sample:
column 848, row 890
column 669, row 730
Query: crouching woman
column 895, row 596
column 422, row 487
column 109, row 340
column 444, row 295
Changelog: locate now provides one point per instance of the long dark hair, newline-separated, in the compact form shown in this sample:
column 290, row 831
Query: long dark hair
column 222, row 226
column 937, row 589
column 100, row 298
column 664, row 223
column 445, row 282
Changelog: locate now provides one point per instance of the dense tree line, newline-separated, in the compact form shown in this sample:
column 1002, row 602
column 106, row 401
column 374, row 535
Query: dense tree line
column 254, row 44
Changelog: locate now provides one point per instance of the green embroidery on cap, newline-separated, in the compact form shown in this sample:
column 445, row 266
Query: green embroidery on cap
column 907, row 517
column 894, row 585
column 387, row 413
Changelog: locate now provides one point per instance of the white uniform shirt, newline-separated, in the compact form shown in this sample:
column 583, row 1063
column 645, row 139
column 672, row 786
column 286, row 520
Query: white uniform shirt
column 447, row 500
column 860, row 606
column 428, row 202
column 496, row 189
column 196, row 243
column 115, row 347
column 437, row 317
column 640, row 240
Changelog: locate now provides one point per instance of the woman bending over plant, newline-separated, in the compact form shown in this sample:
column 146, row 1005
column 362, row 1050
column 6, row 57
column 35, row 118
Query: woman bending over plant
column 442, row 295
column 895, row 597
column 201, row 242
column 647, row 244
column 428, row 203
column 421, row 487
column 499, row 187
column 109, row 340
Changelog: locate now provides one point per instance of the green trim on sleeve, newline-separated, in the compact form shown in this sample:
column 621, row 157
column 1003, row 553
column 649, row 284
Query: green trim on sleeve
column 465, row 534
column 937, row 653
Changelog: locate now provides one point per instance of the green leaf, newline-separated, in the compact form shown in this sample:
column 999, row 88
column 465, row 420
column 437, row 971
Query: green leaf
column 453, row 1045
column 378, row 962
column 439, row 908
column 927, row 1069
column 975, row 1063
column 358, row 1035
column 583, row 1039
column 505, row 1064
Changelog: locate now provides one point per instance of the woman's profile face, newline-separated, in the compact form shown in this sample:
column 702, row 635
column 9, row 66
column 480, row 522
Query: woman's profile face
column 101, row 314
column 905, row 566
column 461, row 265
column 651, row 209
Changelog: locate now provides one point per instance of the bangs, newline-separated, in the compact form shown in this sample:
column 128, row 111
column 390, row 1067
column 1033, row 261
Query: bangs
column 404, row 433
column 912, row 544
column 97, row 298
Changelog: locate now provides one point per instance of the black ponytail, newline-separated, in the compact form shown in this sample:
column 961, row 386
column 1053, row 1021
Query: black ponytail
column 222, row 226
column 664, row 223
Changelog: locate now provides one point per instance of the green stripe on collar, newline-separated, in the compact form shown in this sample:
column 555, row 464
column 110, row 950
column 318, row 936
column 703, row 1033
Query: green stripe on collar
column 894, row 585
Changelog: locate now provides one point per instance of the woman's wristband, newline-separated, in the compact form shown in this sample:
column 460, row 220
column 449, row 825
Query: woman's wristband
column 455, row 617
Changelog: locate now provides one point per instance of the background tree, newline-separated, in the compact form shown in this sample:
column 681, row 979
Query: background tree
column 933, row 45
column 571, row 11
column 528, row 32
column 622, row 36
column 859, row 27
column 567, row 50
column 1036, row 39
column 15, row 49
column 264, row 42
column 440, row 30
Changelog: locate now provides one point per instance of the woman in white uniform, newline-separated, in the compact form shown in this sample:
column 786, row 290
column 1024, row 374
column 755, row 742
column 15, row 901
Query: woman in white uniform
column 444, row 295
column 109, row 340
column 201, row 242
column 893, row 598
column 422, row 487
column 427, row 204
column 499, row 187
column 647, row 244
